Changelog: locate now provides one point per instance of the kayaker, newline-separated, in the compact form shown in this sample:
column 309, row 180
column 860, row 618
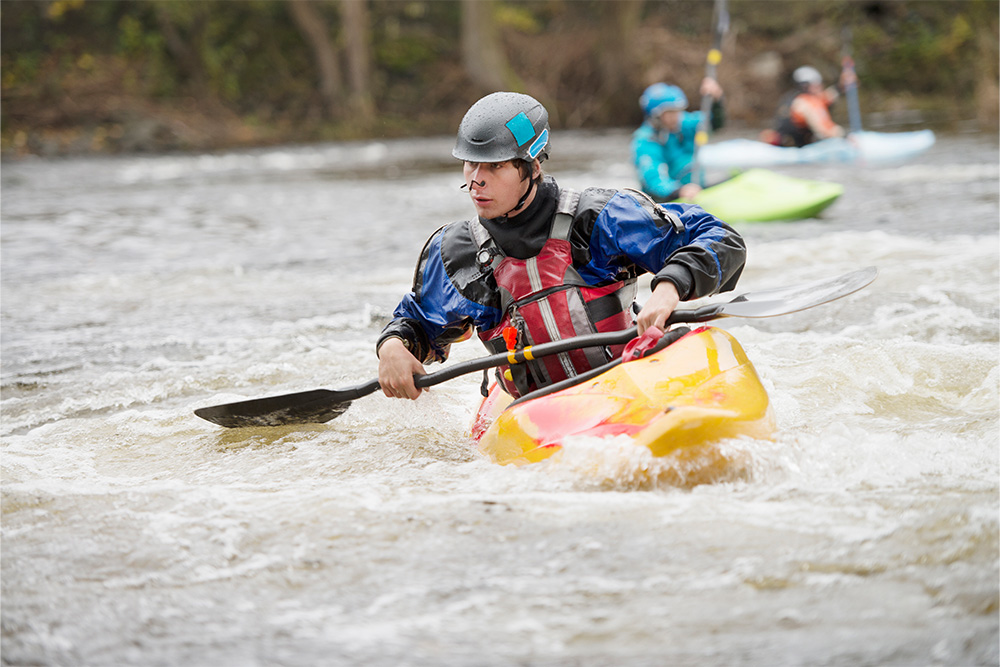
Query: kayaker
column 541, row 263
column 663, row 146
column 804, row 113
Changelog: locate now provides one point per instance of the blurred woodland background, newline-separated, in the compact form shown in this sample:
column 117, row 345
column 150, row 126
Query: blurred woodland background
column 81, row 76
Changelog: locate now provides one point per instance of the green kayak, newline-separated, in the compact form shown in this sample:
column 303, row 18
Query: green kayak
column 759, row 195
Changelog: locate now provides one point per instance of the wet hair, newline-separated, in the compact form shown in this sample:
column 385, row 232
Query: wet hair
column 524, row 167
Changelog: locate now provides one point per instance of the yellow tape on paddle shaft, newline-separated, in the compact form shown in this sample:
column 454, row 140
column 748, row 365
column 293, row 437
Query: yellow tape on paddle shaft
column 525, row 353
column 714, row 57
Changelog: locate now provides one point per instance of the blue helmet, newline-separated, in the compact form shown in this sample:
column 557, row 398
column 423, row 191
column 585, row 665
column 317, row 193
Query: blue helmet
column 662, row 97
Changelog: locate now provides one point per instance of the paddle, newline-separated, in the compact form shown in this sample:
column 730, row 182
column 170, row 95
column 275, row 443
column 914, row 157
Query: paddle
column 713, row 58
column 322, row 405
column 851, row 87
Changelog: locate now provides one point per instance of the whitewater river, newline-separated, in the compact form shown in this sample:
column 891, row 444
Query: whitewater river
column 136, row 289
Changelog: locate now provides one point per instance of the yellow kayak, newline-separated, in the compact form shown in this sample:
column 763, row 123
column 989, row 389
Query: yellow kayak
column 701, row 388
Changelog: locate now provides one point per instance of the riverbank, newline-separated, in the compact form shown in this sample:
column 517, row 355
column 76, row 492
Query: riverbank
column 145, row 77
column 119, row 124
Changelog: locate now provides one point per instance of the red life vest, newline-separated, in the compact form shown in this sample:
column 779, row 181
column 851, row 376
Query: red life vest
column 545, row 299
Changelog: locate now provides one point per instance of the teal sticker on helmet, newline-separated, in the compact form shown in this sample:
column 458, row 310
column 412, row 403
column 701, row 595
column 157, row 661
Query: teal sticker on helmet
column 521, row 128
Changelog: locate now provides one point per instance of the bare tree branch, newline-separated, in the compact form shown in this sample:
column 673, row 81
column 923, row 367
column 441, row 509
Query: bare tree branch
column 482, row 53
column 357, row 34
column 317, row 33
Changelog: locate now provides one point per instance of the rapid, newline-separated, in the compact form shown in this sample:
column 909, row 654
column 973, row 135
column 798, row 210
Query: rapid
column 136, row 289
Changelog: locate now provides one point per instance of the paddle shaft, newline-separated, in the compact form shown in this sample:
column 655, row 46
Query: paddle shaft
column 703, row 314
column 712, row 61
column 851, row 88
column 322, row 405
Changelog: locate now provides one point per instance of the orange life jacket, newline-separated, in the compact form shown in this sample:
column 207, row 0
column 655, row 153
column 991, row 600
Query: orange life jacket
column 812, row 111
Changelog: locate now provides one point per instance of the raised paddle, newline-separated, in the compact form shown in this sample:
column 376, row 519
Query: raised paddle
column 851, row 87
column 322, row 405
column 712, row 60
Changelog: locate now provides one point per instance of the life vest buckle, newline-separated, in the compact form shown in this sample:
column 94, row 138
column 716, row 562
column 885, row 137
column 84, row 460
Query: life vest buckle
column 484, row 257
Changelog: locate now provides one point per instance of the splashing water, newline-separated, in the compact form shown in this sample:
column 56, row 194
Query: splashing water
column 137, row 289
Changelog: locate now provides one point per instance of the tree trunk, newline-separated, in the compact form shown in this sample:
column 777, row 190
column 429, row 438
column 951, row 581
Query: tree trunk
column 317, row 34
column 617, row 54
column 357, row 34
column 482, row 53
column 987, row 89
column 617, row 77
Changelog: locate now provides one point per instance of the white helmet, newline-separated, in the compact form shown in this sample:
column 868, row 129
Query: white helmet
column 806, row 75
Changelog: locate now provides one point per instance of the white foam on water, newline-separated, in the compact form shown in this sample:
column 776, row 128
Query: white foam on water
column 865, row 531
column 956, row 173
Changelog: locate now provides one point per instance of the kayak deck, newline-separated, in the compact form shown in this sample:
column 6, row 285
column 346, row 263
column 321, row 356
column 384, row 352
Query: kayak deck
column 700, row 389
column 758, row 195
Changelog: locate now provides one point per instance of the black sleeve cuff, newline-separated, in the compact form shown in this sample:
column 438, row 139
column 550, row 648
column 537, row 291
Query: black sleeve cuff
column 412, row 335
column 679, row 275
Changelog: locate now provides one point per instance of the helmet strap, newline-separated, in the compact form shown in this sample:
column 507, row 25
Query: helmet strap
column 532, row 179
column 520, row 202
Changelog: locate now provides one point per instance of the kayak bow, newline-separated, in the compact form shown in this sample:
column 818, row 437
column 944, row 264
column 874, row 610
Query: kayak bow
column 700, row 389
column 758, row 195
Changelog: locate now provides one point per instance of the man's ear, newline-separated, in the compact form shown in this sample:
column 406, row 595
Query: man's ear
column 536, row 169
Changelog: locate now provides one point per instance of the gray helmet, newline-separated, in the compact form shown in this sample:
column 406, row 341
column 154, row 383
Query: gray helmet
column 503, row 126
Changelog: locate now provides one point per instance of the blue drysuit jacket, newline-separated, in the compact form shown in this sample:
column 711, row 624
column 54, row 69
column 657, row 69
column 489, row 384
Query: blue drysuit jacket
column 615, row 235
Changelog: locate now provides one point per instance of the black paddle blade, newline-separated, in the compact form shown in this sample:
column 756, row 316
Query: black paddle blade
column 306, row 407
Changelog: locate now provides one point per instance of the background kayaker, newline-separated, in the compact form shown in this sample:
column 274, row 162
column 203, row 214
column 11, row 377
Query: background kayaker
column 541, row 263
column 803, row 114
column 663, row 146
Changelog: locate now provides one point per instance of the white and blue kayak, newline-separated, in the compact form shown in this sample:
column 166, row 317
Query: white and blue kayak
column 867, row 148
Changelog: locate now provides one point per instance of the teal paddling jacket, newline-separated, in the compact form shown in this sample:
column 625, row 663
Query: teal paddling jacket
column 615, row 235
column 663, row 159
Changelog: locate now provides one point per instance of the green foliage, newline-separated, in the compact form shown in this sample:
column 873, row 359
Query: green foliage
column 516, row 17
column 59, row 8
column 20, row 69
column 920, row 52
column 408, row 54
column 252, row 58
column 137, row 40
column 140, row 41
column 407, row 42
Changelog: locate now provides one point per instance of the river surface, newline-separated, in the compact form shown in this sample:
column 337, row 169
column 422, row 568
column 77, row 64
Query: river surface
column 136, row 289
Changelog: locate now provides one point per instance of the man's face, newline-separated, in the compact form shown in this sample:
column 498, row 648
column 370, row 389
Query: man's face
column 495, row 187
column 671, row 119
